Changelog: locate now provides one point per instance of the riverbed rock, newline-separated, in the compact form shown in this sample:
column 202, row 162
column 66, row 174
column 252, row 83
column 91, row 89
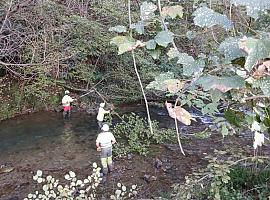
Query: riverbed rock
column 148, row 178
column 5, row 169
column 129, row 156
column 158, row 163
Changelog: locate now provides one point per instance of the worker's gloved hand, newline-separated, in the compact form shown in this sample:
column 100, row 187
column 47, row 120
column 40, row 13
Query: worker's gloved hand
column 98, row 148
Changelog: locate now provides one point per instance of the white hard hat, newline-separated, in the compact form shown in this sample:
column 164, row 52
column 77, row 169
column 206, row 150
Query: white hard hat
column 102, row 105
column 105, row 127
column 66, row 92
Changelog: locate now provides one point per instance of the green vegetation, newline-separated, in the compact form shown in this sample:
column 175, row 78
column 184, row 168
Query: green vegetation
column 133, row 135
column 234, row 178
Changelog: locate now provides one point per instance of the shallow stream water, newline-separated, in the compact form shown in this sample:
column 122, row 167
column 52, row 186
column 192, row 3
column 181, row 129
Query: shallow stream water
column 45, row 141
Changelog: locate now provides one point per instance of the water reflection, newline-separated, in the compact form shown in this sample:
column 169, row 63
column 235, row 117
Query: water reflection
column 67, row 132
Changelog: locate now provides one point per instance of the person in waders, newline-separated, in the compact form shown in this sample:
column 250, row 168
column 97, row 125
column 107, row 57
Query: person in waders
column 101, row 113
column 66, row 100
column 104, row 143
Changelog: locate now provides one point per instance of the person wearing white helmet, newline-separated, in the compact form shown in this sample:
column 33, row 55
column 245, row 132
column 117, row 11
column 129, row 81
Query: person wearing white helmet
column 104, row 143
column 101, row 113
column 66, row 100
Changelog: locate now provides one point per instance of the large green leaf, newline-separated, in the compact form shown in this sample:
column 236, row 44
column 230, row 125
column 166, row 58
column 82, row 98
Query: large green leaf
column 151, row 44
column 124, row 47
column 118, row 29
column 163, row 38
column 234, row 117
column 147, row 10
column 118, row 40
column 216, row 95
column 173, row 53
column 185, row 59
column 155, row 53
column 172, row 11
column 254, row 7
column 139, row 27
column 264, row 84
column 194, row 67
column 210, row 109
column 205, row 17
column 258, row 49
column 160, row 82
column 190, row 65
column 222, row 84
column 124, row 43
column 230, row 48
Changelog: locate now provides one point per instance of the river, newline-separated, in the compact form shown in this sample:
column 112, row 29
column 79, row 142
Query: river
column 45, row 141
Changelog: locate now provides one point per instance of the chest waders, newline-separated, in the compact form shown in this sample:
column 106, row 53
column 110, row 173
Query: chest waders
column 106, row 159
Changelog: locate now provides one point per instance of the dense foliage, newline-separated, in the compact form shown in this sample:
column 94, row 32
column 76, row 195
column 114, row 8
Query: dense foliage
column 133, row 135
column 65, row 45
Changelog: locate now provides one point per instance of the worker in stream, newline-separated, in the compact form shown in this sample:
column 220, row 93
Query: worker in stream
column 104, row 143
column 66, row 100
column 101, row 113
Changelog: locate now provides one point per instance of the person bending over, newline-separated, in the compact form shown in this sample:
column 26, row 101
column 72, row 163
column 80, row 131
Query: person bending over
column 101, row 113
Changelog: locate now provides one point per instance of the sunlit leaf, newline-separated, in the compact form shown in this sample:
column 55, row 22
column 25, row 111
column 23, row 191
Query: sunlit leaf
column 174, row 85
column 173, row 53
column 222, row 84
column 147, row 10
column 139, row 27
column 254, row 7
column 155, row 53
column 179, row 113
column 118, row 29
column 124, row 47
column 118, row 40
column 264, row 84
column 246, row 44
column 190, row 65
column 172, row 11
column 193, row 67
column 160, row 82
column 163, row 38
column 224, row 130
column 205, row 17
column 124, row 43
column 151, row 44
column 256, row 49
column 230, row 48
column 185, row 59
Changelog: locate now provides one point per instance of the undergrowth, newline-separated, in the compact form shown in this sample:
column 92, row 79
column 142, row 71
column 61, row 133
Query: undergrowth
column 247, row 178
column 134, row 136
